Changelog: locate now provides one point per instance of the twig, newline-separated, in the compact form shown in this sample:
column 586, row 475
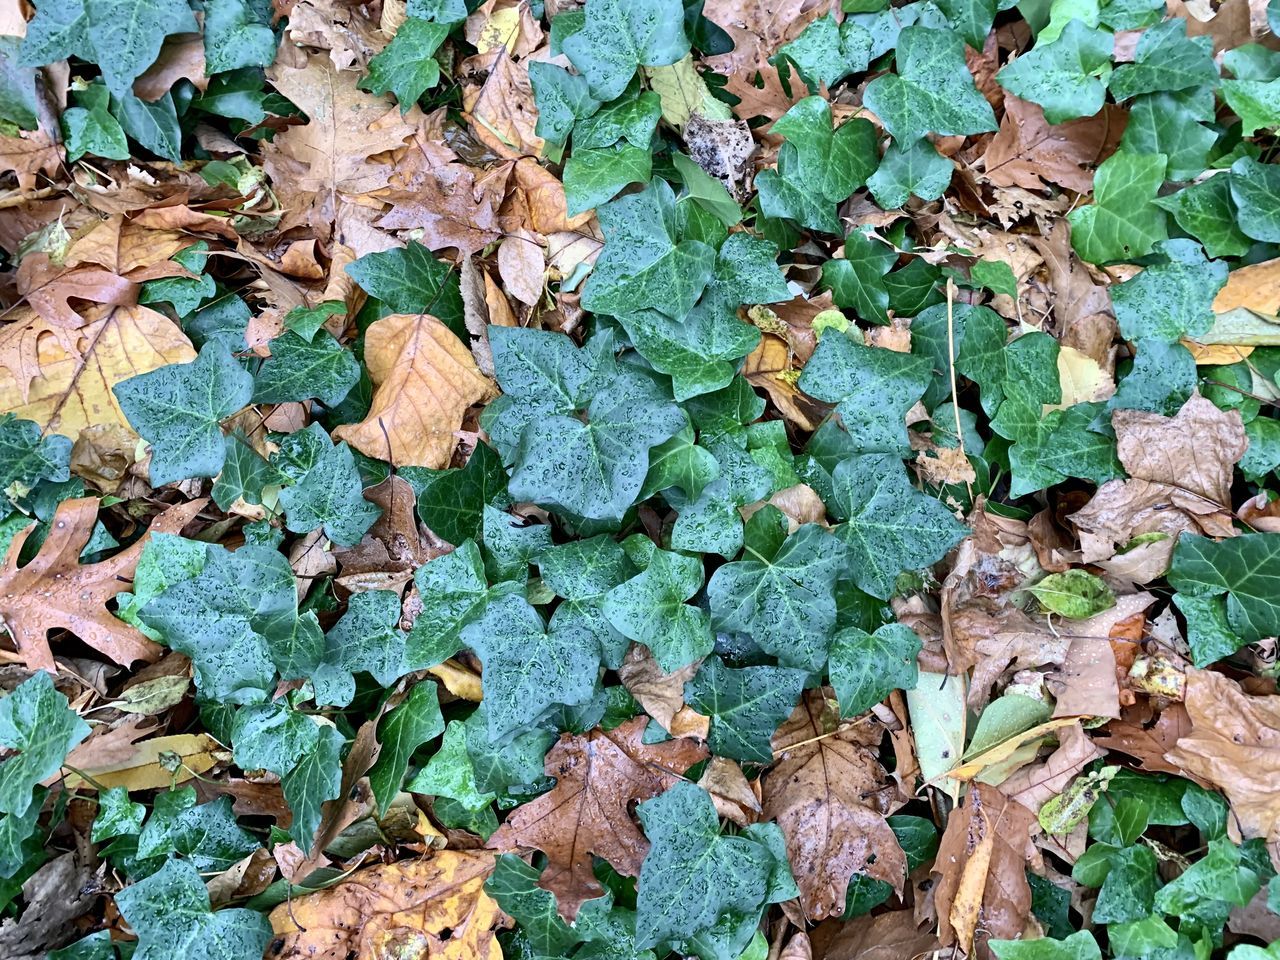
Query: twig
column 951, row 368
column 18, row 199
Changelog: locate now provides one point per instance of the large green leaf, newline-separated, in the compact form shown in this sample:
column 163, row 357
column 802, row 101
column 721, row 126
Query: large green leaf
column 1173, row 124
column 452, row 504
column 454, row 593
column 782, row 592
column 1255, row 188
column 866, row 667
column 1245, row 568
column 693, row 876
column 365, row 639
column 1172, row 300
column 411, row 280
column 17, row 86
column 1166, row 60
column 620, row 35
column 412, row 723
column 407, row 66
column 873, row 387
column 39, row 726
column 330, row 494
column 856, row 280
column 913, row 169
column 932, row 90
column 315, row 780
column 529, row 669
column 127, row 35
column 826, row 51
column 592, row 177
column 1123, row 222
column 1078, row 946
column 272, row 736
column 206, row 834
column 746, row 705
column 892, row 527
column 170, row 913
column 562, row 99
column 237, row 33
column 1206, row 211
column 178, row 409
column 1068, row 77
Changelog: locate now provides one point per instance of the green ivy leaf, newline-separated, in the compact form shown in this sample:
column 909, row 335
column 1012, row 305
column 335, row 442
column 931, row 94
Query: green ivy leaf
column 781, row 594
column 454, row 593
column 26, row 457
column 452, row 504
column 37, row 723
column 867, row 667
column 1123, row 222
column 643, row 265
column 1166, row 60
column 1169, row 301
column 449, row 773
column 406, row 66
column 826, row 52
column 316, row 779
column 711, row 523
column 1206, row 211
column 680, row 463
column 632, row 117
column 117, row 816
column 1075, row 594
column 93, row 131
column 170, row 913
column 1078, row 946
column 1255, row 102
column 892, row 527
column 206, row 834
column 300, row 369
column 402, row 731
column 872, row 387
column 178, row 409
column 1063, row 443
column 155, row 125
column 592, row 177
column 1220, row 876
column 438, row 11
column 1255, row 188
column 127, row 35
column 58, row 31
column 330, row 494
column 410, row 280
column 582, row 573
column 1068, row 77
column 562, row 99
column 932, row 91
column 746, row 706
column 1161, row 380
column 365, row 639
column 245, row 474
column 650, row 608
column 916, row 169
column 528, row 669
column 620, row 35
column 856, row 281
column 692, row 875
column 307, row 321
column 237, row 33
column 514, row 885
column 17, row 86
column 1172, row 124
column 272, row 736
column 818, row 166
column 1245, row 568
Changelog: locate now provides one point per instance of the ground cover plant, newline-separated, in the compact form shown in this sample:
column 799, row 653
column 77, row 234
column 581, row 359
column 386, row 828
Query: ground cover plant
column 732, row 479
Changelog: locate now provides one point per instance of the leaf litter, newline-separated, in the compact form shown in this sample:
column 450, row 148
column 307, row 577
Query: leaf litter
column 729, row 480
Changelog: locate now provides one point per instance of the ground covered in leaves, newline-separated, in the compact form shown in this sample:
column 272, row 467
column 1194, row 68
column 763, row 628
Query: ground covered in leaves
column 734, row 479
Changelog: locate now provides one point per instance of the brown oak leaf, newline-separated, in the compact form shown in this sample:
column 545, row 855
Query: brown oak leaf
column 1028, row 152
column 54, row 590
column 599, row 776
column 828, row 793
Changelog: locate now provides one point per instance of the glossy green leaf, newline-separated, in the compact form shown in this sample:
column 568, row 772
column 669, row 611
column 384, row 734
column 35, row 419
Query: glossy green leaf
column 1245, row 568
column 406, row 67
column 1255, row 188
column 1165, row 60
column 650, row 608
column 410, row 280
column 127, row 35
column 1173, row 300
column 866, row 667
column 300, row 369
column 746, row 705
column 620, row 35
column 1067, row 77
column 592, row 177
column 37, row 724
column 237, row 33
column 316, row 779
column 1122, row 223
column 916, row 169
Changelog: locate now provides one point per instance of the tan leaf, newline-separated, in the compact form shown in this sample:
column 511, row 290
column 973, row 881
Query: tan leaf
column 500, row 109
column 966, row 905
column 1149, row 744
column 735, row 797
column 424, row 380
column 522, row 264
column 415, row 908
column 1234, row 744
column 600, row 775
column 1124, row 509
column 150, row 765
column 662, row 694
column 70, row 389
column 828, row 794
column 886, row 936
column 54, row 590
column 1006, row 896
column 1032, row 786
column 1028, row 152
column 28, row 155
column 1082, row 379
column 1253, row 287
column 1196, row 450
column 181, row 58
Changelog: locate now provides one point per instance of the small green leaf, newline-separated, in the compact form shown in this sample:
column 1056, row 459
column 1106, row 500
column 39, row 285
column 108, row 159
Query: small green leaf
column 1255, row 188
column 650, row 608
column 316, row 779
column 620, row 35
column 449, row 773
column 406, row 66
column 1255, row 102
column 592, row 177
column 1166, row 60
column 237, row 33
column 206, row 834
column 94, row 132
column 856, row 281
column 1173, row 124
column 155, row 125
column 866, row 667
column 746, row 706
column 411, row 724
column 306, row 321
column 1172, row 300
column 330, row 494
column 178, row 410
column 514, row 885
column 118, row 816
column 26, row 457
column 1074, row 594
column 1066, row 77
column 37, row 723
column 454, row 593
column 562, row 99
column 410, row 280
column 1206, row 211
column 272, row 736
column 245, row 474
column 1078, row 946
column 300, row 369
column 1245, row 568
column 916, row 169
column 169, row 911
column 1123, row 222
column 452, row 504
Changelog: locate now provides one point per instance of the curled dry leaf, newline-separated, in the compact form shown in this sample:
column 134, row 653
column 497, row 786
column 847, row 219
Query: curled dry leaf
column 1028, row 152
column 54, row 590
column 599, row 776
column 662, row 694
column 434, row 907
column 736, row 798
column 895, row 935
column 1234, row 744
column 424, row 380
column 828, row 793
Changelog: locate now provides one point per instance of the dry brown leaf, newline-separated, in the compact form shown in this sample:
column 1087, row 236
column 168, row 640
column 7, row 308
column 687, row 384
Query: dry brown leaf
column 424, row 380
column 1149, row 744
column 500, row 110
column 772, row 367
column 886, row 936
column 49, row 289
column 1196, row 450
column 1253, row 287
column 150, row 766
column 69, row 385
column 599, row 776
column 55, row 591
column 415, row 908
column 29, row 155
column 1005, row 907
column 966, row 904
column 1033, row 785
column 1028, row 152
column 828, row 794
column 318, row 166
column 662, row 694
column 1234, row 744
column 181, row 58
column 735, row 797
column 522, row 265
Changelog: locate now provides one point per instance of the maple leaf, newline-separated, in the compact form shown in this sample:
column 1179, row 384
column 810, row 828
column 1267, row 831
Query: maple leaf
column 828, row 795
column 599, row 775
column 54, row 590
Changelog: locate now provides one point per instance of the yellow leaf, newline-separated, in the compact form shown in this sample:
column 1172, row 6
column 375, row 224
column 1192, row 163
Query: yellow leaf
column 1216, row 354
column 424, row 380
column 152, row 767
column 683, row 93
column 75, row 370
column 1001, row 751
column 458, row 680
column 502, row 29
column 1082, row 379
column 967, row 903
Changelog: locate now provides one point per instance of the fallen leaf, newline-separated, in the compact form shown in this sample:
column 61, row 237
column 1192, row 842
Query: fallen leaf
column 153, row 764
column 895, row 935
column 500, row 110
column 735, row 797
column 599, row 776
column 54, row 590
column 662, row 694
column 435, row 906
column 828, row 794
column 424, row 380
column 966, row 904
column 1234, row 744
column 1028, row 152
